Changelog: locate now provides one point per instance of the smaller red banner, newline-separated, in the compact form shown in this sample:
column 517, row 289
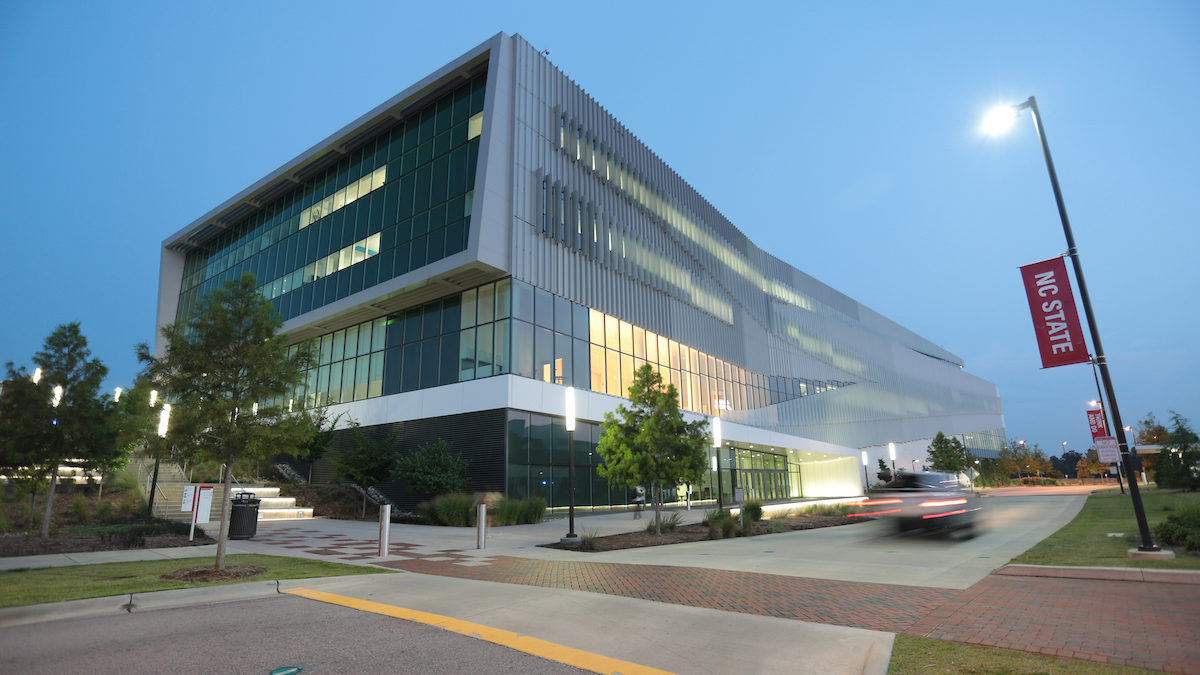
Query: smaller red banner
column 1096, row 423
column 1055, row 320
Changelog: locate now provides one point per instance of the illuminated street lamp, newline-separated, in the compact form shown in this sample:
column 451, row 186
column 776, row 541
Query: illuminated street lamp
column 997, row 122
column 716, row 460
column 866, row 480
column 571, row 537
column 892, row 454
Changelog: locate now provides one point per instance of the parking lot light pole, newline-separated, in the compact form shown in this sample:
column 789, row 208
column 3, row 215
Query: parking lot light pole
column 1101, row 362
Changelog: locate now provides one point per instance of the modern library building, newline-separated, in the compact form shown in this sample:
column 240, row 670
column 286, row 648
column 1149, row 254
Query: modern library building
column 491, row 236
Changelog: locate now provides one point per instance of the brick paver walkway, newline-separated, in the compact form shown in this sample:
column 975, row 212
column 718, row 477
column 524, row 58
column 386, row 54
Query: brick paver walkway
column 1146, row 624
column 862, row 605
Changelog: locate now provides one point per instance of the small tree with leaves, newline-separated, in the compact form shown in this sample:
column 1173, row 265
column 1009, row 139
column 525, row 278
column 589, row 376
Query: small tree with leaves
column 323, row 434
column 885, row 472
column 1178, row 464
column 80, row 425
column 26, row 432
column 433, row 469
column 649, row 442
column 368, row 463
column 947, row 453
column 227, row 372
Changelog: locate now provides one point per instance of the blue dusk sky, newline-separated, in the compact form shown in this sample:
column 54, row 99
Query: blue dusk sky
column 842, row 137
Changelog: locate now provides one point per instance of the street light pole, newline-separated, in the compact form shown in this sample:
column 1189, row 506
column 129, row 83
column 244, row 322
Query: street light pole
column 716, row 462
column 1100, row 360
column 58, row 441
column 571, row 537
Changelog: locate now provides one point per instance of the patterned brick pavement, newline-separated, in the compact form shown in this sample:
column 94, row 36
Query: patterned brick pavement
column 1143, row 624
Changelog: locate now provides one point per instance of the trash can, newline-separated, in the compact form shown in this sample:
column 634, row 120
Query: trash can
column 243, row 517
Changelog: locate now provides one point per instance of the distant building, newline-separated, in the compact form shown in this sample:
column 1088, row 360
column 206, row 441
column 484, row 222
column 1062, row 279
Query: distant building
column 491, row 235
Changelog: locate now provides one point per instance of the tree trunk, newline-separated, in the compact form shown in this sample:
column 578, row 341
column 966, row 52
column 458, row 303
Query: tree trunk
column 50, row 502
column 656, row 492
column 223, row 536
column 32, row 506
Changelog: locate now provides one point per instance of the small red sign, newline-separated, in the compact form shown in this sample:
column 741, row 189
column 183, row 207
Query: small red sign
column 1055, row 320
column 1096, row 423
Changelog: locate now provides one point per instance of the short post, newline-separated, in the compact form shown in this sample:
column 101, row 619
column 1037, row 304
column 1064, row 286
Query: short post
column 385, row 521
column 481, row 526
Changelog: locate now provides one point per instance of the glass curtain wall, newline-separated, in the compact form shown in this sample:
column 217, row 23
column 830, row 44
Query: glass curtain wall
column 396, row 203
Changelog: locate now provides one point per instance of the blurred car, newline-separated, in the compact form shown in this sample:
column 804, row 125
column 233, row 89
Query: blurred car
column 925, row 500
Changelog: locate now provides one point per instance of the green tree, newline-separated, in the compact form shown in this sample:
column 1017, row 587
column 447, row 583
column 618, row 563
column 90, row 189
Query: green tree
column 1090, row 465
column 26, row 432
column 81, row 421
column 369, row 462
column 1150, row 432
column 227, row 372
column 433, row 469
column 1177, row 461
column 318, row 445
column 947, row 453
column 885, row 472
column 649, row 442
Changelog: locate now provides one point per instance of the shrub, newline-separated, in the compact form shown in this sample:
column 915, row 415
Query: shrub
column 729, row 527
column 525, row 511
column 453, row 510
column 104, row 512
column 829, row 509
column 670, row 523
column 720, row 524
column 587, row 541
column 714, row 517
column 124, row 480
column 1181, row 528
column 780, row 526
column 79, row 509
column 753, row 510
column 433, row 469
column 532, row 510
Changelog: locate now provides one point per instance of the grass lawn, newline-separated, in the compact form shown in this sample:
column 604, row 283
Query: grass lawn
column 922, row 655
column 73, row 582
column 1086, row 540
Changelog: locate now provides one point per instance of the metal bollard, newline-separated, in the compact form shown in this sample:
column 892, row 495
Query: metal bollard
column 385, row 521
column 481, row 527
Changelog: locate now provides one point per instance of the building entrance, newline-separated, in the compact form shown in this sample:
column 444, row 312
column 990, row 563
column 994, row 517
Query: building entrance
column 763, row 475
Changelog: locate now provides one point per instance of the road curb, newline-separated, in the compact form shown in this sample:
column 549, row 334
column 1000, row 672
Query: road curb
column 142, row 602
column 1189, row 577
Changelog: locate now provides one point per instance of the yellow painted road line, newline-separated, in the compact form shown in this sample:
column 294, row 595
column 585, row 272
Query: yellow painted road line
column 524, row 643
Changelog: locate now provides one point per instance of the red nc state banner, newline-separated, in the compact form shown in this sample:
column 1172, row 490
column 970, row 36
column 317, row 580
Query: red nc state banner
column 1096, row 423
column 1060, row 339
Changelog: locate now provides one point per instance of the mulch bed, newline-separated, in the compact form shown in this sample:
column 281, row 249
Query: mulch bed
column 12, row 545
column 696, row 532
column 203, row 574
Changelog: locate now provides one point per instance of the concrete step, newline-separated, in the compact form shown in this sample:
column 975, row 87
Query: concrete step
column 285, row 513
column 258, row 491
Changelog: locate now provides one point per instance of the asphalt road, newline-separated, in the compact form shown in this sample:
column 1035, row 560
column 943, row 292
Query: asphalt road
column 256, row 636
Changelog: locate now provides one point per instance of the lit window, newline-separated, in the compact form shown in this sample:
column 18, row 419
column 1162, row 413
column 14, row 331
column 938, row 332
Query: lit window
column 475, row 126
